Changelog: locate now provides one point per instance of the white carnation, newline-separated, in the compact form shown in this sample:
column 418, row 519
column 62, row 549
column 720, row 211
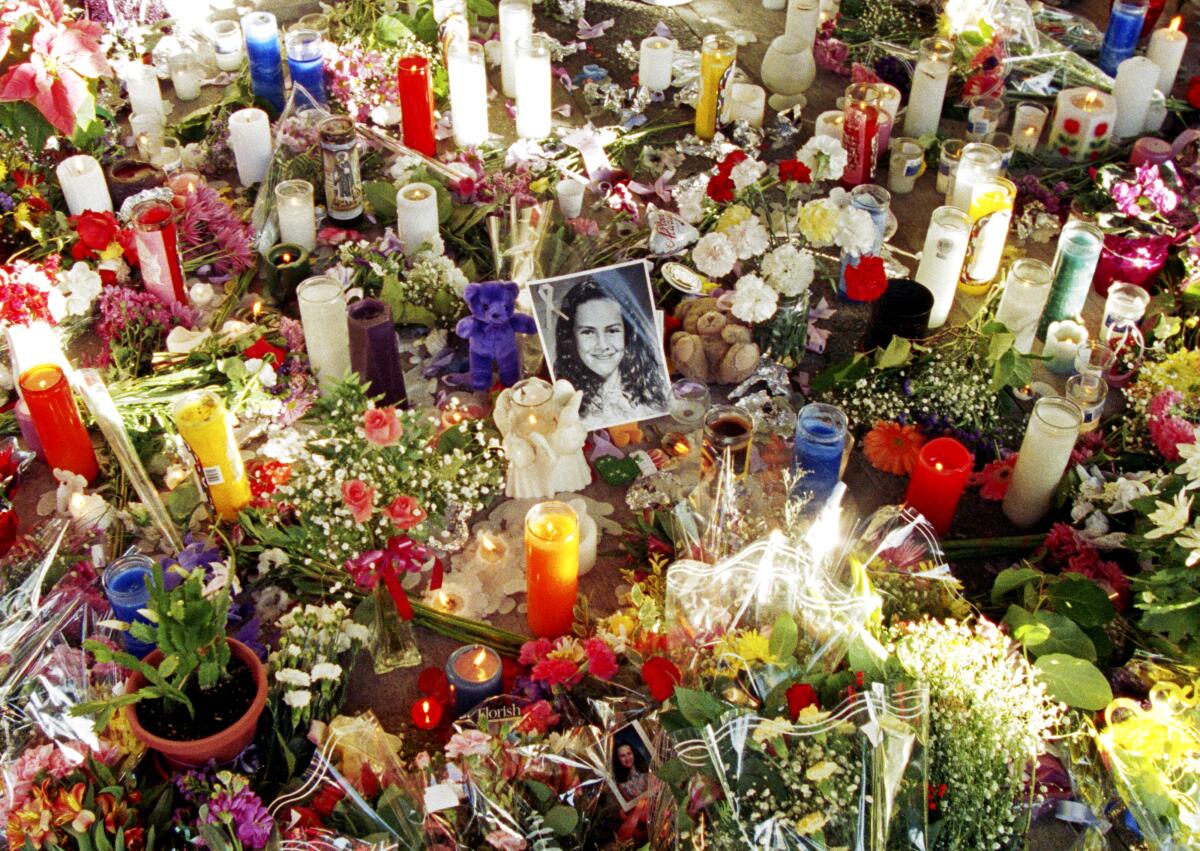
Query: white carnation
column 326, row 671
column 753, row 300
column 789, row 270
column 749, row 238
column 856, row 233
column 293, row 677
column 747, row 172
column 714, row 255
column 824, row 156
column 297, row 699
column 356, row 632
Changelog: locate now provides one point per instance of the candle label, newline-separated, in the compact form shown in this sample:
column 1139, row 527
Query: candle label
column 724, row 89
column 343, row 181
column 158, row 270
column 859, row 139
column 212, row 476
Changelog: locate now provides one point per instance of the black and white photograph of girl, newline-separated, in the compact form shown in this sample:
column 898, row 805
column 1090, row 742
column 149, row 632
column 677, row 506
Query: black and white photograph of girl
column 631, row 766
column 598, row 331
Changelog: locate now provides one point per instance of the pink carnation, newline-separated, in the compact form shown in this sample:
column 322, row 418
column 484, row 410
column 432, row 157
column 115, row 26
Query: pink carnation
column 554, row 672
column 469, row 743
column 538, row 717
column 1168, row 433
column 535, row 651
column 506, row 841
column 602, row 662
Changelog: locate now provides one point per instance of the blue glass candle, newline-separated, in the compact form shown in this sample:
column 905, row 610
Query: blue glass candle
column 475, row 673
column 125, row 586
column 817, row 452
column 875, row 201
column 1124, row 30
column 305, row 62
column 266, row 66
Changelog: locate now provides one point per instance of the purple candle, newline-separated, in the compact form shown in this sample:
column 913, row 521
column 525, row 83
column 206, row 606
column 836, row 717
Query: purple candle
column 1150, row 150
column 375, row 351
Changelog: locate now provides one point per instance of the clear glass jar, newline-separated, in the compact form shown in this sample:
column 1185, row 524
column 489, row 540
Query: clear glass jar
column 983, row 117
column 185, row 75
column 1025, row 292
column 905, row 164
column 979, row 162
column 728, row 434
column 948, row 160
column 1089, row 392
column 1124, row 308
column 1029, row 118
column 227, row 44
column 990, row 210
column 819, row 451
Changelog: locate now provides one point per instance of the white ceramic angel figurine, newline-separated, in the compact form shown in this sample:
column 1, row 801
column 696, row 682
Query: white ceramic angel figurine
column 543, row 438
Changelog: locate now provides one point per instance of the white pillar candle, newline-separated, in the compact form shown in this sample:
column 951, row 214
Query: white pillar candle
column 942, row 259
column 227, row 45
column 1043, row 458
column 654, row 63
column 1063, row 341
column 1025, row 292
column 250, row 138
column 829, row 124
column 1083, row 122
column 326, row 327
column 747, row 102
column 1136, row 79
column 979, row 163
column 417, row 217
column 185, row 75
column 83, row 185
column 803, row 18
column 297, row 216
column 928, row 88
column 1028, row 120
column 467, row 71
column 570, row 197
column 141, row 86
column 1167, row 45
column 533, row 95
column 516, row 23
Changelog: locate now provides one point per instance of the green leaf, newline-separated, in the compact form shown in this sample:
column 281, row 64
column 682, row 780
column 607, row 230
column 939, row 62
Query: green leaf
column 1013, row 578
column 381, row 198
column 784, row 635
column 1082, row 600
column 698, row 707
column 561, row 819
column 391, row 30
column 541, row 791
column 1074, row 681
column 168, row 665
column 482, row 8
column 1045, row 633
column 897, row 353
column 1000, row 343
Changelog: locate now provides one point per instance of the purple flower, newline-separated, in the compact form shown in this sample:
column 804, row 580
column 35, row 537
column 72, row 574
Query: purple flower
column 6, row 203
column 244, row 811
column 1126, row 196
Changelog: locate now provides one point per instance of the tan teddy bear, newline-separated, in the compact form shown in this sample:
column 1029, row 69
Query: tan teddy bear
column 713, row 346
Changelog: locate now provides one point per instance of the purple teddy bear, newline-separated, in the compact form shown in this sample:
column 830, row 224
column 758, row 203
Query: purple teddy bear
column 492, row 330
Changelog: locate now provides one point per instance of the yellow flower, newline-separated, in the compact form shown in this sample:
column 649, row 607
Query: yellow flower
column 3, row 171
column 539, row 185
column 811, row 715
column 113, row 252
column 771, row 728
column 822, row 771
column 733, row 216
column 818, row 221
column 21, row 214
column 811, row 823
column 743, row 649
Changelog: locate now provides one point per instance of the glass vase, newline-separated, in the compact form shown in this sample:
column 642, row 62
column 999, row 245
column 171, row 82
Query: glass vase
column 393, row 644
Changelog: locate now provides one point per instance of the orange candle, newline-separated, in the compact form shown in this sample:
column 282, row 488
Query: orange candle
column 56, row 417
column 551, row 567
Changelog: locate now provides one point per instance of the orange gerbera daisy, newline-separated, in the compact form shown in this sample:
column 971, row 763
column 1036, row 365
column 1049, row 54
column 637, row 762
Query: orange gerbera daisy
column 892, row 447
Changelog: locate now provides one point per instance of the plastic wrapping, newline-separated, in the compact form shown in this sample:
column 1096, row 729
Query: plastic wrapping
column 832, row 780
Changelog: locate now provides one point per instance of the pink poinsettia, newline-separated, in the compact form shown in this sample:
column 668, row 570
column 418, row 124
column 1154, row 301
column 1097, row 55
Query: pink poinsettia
column 62, row 58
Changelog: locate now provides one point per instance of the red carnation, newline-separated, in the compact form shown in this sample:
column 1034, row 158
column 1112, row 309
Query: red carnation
column 794, row 171
column 799, row 697
column 866, row 280
column 262, row 348
column 720, row 189
column 661, row 676
column 731, row 159
column 1193, row 92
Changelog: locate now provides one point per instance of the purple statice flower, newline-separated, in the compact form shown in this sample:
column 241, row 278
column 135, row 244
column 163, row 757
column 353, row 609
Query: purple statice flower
column 7, row 205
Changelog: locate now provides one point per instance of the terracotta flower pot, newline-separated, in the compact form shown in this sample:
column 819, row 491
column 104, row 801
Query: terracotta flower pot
column 222, row 746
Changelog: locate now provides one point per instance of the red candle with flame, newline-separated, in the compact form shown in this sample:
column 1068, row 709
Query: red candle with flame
column 416, row 104
column 860, row 131
column 158, row 250
column 56, row 417
column 938, row 480
column 426, row 713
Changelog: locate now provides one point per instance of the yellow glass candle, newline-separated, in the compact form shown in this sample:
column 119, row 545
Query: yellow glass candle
column 717, row 54
column 203, row 422
column 551, row 567
column 990, row 210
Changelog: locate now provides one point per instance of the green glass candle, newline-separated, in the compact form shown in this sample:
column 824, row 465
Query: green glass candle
column 1074, row 265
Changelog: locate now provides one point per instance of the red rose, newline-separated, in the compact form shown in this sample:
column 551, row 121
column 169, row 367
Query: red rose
column 866, row 280
column 661, row 676
column 96, row 230
column 262, row 348
column 720, row 189
column 1193, row 92
column 794, row 171
column 801, row 696
column 1071, row 125
column 326, row 799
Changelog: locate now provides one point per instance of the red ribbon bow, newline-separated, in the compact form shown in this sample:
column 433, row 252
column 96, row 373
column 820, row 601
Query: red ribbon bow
column 403, row 554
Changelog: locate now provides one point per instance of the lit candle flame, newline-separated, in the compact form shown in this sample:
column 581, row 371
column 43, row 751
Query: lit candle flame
column 937, row 465
column 487, row 543
column 478, row 659
column 257, row 309
column 681, row 448
column 443, row 600
column 1089, row 102
column 1175, row 23
column 532, row 419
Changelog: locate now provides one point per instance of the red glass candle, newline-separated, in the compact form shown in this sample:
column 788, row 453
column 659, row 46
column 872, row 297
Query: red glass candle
column 416, row 104
column 56, row 417
column 158, row 251
column 426, row 713
column 860, row 131
column 938, row 479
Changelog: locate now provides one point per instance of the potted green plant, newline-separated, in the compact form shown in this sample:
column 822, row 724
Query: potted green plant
column 198, row 696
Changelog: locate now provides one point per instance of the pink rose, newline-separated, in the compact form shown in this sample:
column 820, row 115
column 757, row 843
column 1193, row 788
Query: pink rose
column 405, row 512
column 382, row 426
column 359, row 498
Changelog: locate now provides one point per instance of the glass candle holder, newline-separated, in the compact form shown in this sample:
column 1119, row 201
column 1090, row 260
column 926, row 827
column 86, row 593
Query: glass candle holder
column 205, row 426
column 474, row 672
column 860, row 130
column 1089, row 392
column 689, row 404
column 889, row 106
column 1003, row 142
column 1042, row 459
column 296, row 212
column 148, row 130
column 905, row 164
column 185, row 75
column 942, row 258
column 818, row 449
column 416, row 104
column 990, row 210
column 948, row 159
column 467, row 72
column 569, row 193
column 226, row 39
column 142, row 89
column 418, row 223
column 928, row 90
column 1075, row 261
column 285, row 267
column 728, row 435
column 169, row 156
column 52, row 408
column 551, row 568
column 516, row 23
column 983, row 118
column 1029, row 118
column 317, row 21
column 1025, row 292
column 343, row 179
column 1121, row 37
column 306, row 62
column 155, row 239
column 978, row 163
column 902, row 311
column 1124, row 308
column 124, row 583
column 1094, row 359
column 534, row 93
column 261, row 32
column 326, row 332
column 717, row 55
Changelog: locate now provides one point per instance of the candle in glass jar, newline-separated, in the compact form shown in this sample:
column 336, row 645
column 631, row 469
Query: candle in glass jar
column 1028, row 120
column 534, row 92
column 474, row 673
column 374, row 350
column 748, row 103
column 728, row 437
column 287, row 264
column 1075, row 260
column 1064, row 339
column 979, row 163
column 860, row 127
column 1136, row 79
column 205, row 426
column 948, row 159
column 889, row 106
column 1043, row 458
column 64, row 439
column 1083, row 123
column 817, row 450
column 689, row 403
column 654, row 63
column 1125, row 20
column 416, row 104
column 829, row 123
column 1089, row 392
column 340, row 164
column 905, row 165
column 82, row 182
column 185, row 183
column 991, row 212
column 717, row 55
column 306, row 62
column 1167, row 46
column 250, row 138
column 417, row 218
column 141, row 86
column 516, row 24
column 227, row 45
column 326, row 332
column 928, row 88
column 938, row 480
column 551, row 568
column 467, row 71
column 983, row 117
column 1025, row 292
column 297, row 213
column 426, row 713
column 154, row 237
column 261, row 32
column 942, row 259
column 185, row 75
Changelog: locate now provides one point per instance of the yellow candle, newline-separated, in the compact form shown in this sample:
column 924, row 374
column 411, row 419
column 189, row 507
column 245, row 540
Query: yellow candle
column 717, row 54
column 203, row 422
column 990, row 210
column 551, row 567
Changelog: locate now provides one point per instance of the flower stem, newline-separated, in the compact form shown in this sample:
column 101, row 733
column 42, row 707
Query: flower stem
column 978, row 548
